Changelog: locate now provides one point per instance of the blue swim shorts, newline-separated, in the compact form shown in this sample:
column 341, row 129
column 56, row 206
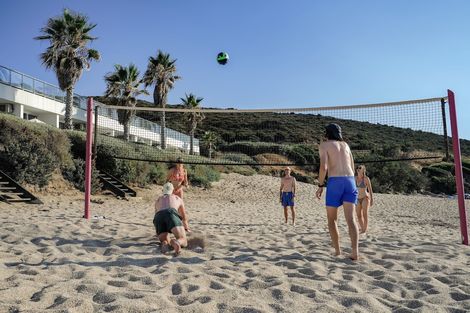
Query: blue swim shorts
column 287, row 199
column 341, row 189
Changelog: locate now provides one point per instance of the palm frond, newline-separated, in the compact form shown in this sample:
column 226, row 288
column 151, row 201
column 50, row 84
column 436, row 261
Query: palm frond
column 68, row 35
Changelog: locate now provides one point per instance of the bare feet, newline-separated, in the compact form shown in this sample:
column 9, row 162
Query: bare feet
column 354, row 256
column 176, row 246
column 165, row 248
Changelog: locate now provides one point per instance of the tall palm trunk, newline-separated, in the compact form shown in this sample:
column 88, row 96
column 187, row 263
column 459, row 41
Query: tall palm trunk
column 210, row 150
column 191, row 143
column 68, row 108
column 156, row 100
column 126, row 131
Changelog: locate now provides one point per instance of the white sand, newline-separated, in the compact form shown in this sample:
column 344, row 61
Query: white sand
column 53, row 260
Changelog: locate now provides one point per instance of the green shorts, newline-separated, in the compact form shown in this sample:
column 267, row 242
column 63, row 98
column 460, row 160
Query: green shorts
column 165, row 220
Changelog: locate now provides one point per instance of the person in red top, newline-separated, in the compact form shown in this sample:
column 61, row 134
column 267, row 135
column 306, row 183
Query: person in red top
column 178, row 176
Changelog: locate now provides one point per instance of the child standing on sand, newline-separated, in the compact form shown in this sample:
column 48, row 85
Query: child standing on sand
column 287, row 194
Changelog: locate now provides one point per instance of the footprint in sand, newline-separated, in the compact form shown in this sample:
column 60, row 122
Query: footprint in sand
column 133, row 295
column 176, row 289
column 36, row 297
column 29, row 272
column 184, row 270
column 385, row 285
column 204, row 299
column 386, row 264
column 375, row 274
column 277, row 294
column 245, row 310
column 118, row 283
column 303, row 290
column 414, row 304
column 289, row 265
column 78, row 275
column 57, row 301
column 457, row 296
column 183, row 300
column 348, row 287
column 103, row 298
column 277, row 308
column 221, row 275
column 110, row 308
column 192, row 288
column 250, row 273
column 216, row 286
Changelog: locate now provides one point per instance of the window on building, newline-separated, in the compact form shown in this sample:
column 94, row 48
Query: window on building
column 28, row 116
column 6, row 108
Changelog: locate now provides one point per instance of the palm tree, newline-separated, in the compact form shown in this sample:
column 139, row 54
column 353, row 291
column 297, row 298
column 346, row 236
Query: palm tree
column 123, row 88
column 192, row 118
column 210, row 139
column 161, row 73
column 68, row 55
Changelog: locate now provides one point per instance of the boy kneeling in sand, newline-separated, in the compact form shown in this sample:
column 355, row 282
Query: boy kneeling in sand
column 170, row 217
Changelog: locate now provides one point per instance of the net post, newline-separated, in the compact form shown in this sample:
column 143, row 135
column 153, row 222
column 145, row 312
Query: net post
column 95, row 134
column 458, row 167
column 444, row 124
column 88, row 151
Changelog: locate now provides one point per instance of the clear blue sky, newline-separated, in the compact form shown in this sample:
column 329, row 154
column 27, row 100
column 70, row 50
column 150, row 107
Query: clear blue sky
column 283, row 53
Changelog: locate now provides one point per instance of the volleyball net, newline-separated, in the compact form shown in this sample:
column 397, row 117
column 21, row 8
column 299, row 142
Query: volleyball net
column 407, row 130
column 414, row 130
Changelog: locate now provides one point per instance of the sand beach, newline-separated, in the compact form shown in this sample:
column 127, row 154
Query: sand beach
column 244, row 259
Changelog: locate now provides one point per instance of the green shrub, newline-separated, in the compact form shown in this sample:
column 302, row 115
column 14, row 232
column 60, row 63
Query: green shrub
column 445, row 166
column 297, row 153
column 242, row 170
column 466, row 163
column 31, row 152
column 145, row 173
column 251, row 148
column 238, row 158
column 443, row 185
column 302, row 154
column 303, row 178
column 436, row 171
column 76, row 175
column 140, row 173
column 202, row 175
column 398, row 177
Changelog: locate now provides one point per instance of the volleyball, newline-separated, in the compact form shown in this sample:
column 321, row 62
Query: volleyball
column 222, row 58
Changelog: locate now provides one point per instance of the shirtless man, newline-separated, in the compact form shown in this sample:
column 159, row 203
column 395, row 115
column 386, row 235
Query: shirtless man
column 287, row 194
column 336, row 159
column 170, row 217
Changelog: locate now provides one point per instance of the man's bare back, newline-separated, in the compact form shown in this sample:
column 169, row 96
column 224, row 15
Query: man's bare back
column 173, row 202
column 338, row 158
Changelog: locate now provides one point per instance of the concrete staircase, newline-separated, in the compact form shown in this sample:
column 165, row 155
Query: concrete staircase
column 117, row 187
column 12, row 192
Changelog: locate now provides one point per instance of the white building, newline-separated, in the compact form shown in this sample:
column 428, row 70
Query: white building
column 32, row 99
